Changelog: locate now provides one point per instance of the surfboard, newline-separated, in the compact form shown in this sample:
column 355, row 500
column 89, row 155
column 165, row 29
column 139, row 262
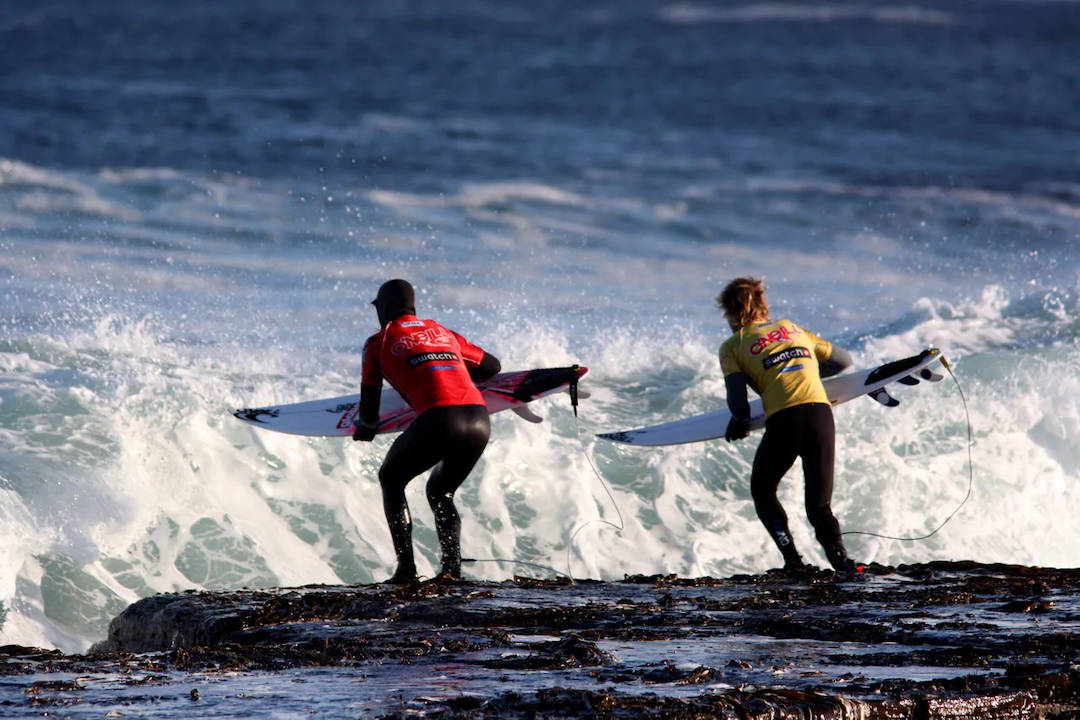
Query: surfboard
column 840, row 389
column 336, row 416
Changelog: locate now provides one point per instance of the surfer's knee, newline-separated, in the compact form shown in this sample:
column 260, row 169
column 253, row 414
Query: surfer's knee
column 763, row 491
column 389, row 480
column 438, row 493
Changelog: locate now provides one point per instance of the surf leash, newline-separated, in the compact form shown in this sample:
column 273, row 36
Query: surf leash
column 574, row 397
column 525, row 563
column 971, row 473
column 573, row 389
column 603, row 483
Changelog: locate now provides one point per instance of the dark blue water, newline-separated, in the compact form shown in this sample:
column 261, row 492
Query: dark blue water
column 942, row 93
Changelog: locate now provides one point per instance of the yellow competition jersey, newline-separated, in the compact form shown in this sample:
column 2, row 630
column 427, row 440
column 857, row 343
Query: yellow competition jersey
column 781, row 360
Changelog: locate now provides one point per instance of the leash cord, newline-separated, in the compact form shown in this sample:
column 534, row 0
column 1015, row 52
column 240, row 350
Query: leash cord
column 573, row 535
column 971, row 474
column 618, row 528
column 537, row 566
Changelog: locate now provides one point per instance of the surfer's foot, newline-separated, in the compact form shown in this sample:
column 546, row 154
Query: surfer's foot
column 840, row 561
column 404, row 576
column 447, row 577
column 795, row 562
column 451, row 559
column 450, row 571
column 845, row 571
column 847, row 565
column 853, row 572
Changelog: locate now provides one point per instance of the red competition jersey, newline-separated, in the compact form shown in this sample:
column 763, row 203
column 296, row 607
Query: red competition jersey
column 426, row 363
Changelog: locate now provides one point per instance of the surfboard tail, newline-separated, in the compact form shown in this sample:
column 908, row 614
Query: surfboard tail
column 888, row 370
column 542, row 380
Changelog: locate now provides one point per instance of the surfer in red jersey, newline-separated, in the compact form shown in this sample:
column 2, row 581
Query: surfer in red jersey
column 784, row 364
column 434, row 370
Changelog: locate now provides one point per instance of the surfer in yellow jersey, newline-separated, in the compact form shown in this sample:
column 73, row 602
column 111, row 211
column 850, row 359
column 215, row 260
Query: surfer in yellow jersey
column 784, row 364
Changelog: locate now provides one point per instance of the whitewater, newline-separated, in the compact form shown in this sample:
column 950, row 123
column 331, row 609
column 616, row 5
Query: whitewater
column 124, row 473
column 195, row 238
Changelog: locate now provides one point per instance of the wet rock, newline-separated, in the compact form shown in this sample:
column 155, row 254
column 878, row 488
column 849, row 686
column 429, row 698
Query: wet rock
column 568, row 652
column 938, row 640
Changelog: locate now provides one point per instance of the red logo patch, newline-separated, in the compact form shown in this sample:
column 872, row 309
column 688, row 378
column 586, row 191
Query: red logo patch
column 781, row 334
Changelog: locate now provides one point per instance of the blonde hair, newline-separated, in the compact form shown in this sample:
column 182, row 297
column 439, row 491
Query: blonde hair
column 743, row 301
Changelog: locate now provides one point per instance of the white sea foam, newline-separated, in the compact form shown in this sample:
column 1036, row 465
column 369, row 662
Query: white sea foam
column 162, row 490
column 481, row 195
column 693, row 13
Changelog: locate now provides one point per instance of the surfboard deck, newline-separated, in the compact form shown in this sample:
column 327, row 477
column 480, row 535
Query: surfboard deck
column 840, row 389
column 336, row 417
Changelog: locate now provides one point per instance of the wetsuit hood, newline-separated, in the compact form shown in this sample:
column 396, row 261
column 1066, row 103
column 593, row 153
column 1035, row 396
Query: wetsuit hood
column 395, row 298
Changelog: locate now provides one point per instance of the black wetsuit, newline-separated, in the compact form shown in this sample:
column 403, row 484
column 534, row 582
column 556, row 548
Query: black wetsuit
column 434, row 369
column 450, row 439
column 805, row 431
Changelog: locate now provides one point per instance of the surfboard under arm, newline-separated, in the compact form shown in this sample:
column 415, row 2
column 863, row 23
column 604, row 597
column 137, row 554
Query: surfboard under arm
column 336, row 417
column 840, row 389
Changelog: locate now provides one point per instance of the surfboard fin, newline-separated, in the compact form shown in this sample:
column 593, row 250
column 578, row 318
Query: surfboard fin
column 524, row 412
column 884, row 398
column 926, row 374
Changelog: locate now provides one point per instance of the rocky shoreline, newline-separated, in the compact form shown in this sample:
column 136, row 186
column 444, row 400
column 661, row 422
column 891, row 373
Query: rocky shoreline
column 935, row 640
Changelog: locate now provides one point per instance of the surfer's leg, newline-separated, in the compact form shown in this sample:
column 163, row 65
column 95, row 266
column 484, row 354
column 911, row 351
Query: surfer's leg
column 774, row 457
column 412, row 453
column 818, row 456
column 467, row 429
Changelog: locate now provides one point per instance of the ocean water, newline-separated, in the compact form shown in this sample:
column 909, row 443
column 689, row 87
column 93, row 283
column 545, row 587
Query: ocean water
column 198, row 202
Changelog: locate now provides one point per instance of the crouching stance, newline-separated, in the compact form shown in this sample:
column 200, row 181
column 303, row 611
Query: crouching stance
column 434, row 370
column 784, row 364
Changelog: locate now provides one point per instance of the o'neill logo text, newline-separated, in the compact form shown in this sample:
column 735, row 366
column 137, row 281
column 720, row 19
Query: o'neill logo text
column 781, row 334
column 437, row 336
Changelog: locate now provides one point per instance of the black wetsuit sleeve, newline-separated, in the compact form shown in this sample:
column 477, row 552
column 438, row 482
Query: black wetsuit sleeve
column 367, row 420
column 369, row 405
column 737, row 402
column 489, row 365
column 839, row 361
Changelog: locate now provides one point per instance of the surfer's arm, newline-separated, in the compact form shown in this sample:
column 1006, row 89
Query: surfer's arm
column 489, row 365
column 367, row 420
column 838, row 361
column 737, row 402
column 480, row 363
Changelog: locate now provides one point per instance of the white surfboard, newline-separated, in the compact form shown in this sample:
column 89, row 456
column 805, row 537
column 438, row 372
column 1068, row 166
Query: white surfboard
column 335, row 417
column 840, row 389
